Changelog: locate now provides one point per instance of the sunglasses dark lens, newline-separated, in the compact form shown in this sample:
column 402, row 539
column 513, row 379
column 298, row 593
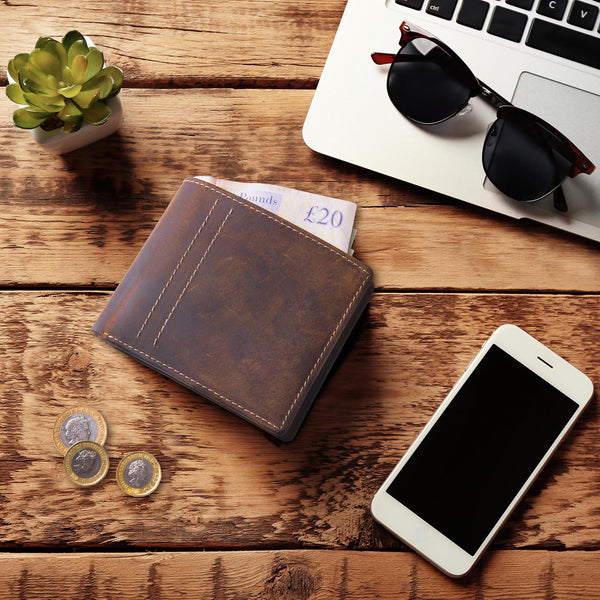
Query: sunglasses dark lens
column 427, row 84
column 522, row 158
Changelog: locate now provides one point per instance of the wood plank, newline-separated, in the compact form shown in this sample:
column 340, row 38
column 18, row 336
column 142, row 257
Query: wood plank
column 295, row 575
column 188, row 43
column 167, row 135
column 228, row 485
column 459, row 248
column 80, row 220
column 80, row 246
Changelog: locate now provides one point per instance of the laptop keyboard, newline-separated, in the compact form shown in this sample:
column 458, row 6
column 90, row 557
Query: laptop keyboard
column 566, row 28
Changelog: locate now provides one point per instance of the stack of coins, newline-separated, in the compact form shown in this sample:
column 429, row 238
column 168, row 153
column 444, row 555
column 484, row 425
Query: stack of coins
column 79, row 434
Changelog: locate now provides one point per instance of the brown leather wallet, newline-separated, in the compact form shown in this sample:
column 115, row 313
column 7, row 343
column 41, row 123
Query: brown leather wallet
column 238, row 305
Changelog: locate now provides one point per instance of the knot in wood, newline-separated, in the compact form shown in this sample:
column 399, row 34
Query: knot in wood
column 78, row 360
column 290, row 582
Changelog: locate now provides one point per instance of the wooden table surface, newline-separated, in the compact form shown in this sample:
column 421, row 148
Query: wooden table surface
column 222, row 88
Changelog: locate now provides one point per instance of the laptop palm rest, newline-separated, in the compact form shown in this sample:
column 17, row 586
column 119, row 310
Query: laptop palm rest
column 569, row 110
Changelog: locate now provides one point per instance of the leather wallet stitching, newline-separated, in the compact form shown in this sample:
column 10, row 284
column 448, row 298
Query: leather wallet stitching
column 185, row 287
column 176, row 268
column 331, row 249
column 287, row 414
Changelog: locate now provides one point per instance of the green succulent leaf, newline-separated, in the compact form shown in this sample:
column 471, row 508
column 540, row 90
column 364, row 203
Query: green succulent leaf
column 70, row 111
column 33, row 80
column 117, row 78
column 42, row 41
column 78, row 68
column 71, row 37
column 85, row 99
column 46, row 62
column 96, row 114
column 73, row 126
column 70, row 91
column 53, row 82
column 15, row 93
column 101, row 83
column 58, row 50
column 27, row 119
column 78, row 48
column 95, row 62
column 14, row 64
column 45, row 103
column 66, row 77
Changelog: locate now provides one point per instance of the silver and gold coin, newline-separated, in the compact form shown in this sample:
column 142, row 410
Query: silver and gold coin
column 138, row 474
column 79, row 424
column 86, row 463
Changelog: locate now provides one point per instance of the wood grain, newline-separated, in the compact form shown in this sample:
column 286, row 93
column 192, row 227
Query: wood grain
column 295, row 575
column 166, row 135
column 188, row 43
column 223, row 89
column 227, row 485
column 80, row 220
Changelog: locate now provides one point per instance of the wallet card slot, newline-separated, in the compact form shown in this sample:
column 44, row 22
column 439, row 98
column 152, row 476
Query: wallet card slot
column 177, row 275
column 176, row 269
column 191, row 277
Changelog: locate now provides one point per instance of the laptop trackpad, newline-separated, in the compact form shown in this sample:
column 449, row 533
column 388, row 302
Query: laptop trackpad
column 574, row 113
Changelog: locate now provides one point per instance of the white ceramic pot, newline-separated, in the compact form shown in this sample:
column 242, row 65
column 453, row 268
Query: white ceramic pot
column 59, row 142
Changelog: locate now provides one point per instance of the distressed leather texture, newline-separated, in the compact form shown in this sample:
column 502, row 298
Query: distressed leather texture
column 238, row 305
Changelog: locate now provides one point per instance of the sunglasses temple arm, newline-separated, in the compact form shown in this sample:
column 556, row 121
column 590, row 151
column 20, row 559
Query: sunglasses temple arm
column 494, row 98
column 560, row 202
column 382, row 58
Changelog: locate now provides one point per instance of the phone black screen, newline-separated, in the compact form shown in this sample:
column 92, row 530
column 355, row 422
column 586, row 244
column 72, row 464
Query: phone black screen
column 482, row 449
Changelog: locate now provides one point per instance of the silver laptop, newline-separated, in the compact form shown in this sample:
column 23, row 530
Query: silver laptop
column 545, row 58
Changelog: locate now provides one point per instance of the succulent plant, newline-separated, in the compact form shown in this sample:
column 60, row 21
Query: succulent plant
column 62, row 84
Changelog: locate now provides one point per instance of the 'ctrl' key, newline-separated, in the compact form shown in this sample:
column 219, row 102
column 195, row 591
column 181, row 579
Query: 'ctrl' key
column 441, row 8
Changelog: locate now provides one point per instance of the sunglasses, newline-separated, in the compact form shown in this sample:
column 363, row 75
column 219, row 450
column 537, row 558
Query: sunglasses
column 523, row 156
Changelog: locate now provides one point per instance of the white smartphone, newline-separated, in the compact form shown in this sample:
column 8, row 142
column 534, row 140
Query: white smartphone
column 482, row 449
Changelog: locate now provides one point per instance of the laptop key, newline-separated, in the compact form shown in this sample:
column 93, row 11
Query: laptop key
column 507, row 24
column 555, row 9
column 583, row 15
column 441, row 8
column 567, row 43
column 472, row 13
column 524, row 4
column 416, row 4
